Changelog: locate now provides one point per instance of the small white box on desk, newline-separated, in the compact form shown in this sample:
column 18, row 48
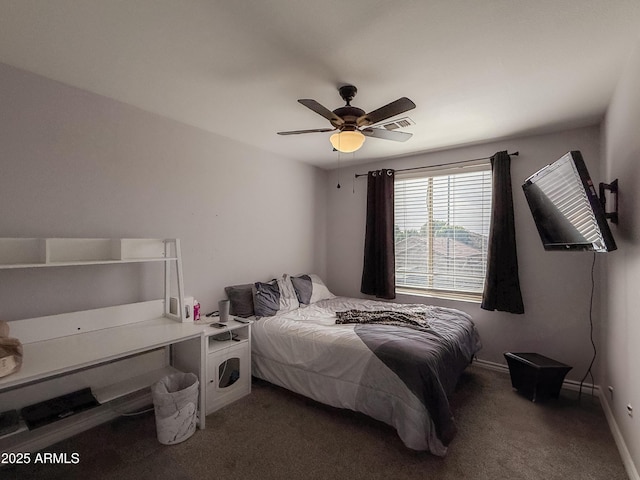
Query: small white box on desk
column 188, row 307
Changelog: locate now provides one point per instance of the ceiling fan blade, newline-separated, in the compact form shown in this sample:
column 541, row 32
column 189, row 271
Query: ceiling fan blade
column 390, row 110
column 296, row 132
column 322, row 110
column 386, row 134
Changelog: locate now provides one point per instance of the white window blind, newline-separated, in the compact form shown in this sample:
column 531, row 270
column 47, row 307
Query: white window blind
column 441, row 231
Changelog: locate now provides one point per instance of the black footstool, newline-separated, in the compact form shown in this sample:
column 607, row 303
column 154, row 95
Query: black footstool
column 535, row 376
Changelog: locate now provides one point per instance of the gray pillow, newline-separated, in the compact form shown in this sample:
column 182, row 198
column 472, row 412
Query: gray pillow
column 275, row 297
column 310, row 289
column 266, row 298
column 304, row 288
column 240, row 300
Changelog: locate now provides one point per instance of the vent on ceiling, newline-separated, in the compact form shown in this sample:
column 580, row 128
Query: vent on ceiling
column 399, row 123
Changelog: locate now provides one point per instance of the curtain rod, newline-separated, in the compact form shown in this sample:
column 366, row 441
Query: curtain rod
column 440, row 165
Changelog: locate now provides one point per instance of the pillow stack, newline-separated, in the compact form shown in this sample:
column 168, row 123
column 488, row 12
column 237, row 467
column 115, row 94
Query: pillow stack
column 277, row 296
column 266, row 299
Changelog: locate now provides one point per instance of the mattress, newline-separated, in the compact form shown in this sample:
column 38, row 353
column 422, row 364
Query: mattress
column 399, row 375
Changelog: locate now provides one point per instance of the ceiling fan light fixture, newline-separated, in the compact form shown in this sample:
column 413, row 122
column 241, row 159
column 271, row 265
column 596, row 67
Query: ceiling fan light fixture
column 347, row 141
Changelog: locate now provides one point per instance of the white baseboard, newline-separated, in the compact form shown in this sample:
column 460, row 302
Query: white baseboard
column 629, row 466
column 491, row 365
column 587, row 388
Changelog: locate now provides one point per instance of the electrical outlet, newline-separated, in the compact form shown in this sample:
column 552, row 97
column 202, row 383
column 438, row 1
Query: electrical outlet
column 630, row 410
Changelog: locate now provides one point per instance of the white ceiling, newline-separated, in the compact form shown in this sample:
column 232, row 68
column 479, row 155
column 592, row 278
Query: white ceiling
column 477, row 69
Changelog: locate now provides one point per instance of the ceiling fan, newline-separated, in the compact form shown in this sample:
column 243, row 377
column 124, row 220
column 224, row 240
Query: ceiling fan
column 353, row 123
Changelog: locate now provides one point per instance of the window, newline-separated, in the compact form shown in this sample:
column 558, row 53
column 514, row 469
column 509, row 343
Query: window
column 441, row 232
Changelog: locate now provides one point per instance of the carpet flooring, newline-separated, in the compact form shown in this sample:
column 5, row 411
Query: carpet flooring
column 275, row 434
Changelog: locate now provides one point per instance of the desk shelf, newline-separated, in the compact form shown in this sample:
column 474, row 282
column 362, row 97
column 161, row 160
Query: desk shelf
column 81, row 263
column 57, row 346
column 22, row 427
column 131, row 385
column 25, row 440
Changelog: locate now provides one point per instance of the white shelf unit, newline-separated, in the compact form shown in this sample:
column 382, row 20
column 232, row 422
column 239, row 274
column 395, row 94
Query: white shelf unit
column 57, row 252
column 22, row 253
column 63, row 344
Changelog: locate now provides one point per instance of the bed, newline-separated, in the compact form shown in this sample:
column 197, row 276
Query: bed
column 399, row 374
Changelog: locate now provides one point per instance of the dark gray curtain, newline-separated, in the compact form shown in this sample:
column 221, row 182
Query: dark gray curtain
column 502, row 285
column 379, row 271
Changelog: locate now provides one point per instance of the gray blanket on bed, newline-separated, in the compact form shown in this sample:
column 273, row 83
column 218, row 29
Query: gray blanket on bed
column 428, row 360
column 384, row 317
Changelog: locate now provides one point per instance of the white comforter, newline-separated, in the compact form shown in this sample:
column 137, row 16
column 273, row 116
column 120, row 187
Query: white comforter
column 306, row 352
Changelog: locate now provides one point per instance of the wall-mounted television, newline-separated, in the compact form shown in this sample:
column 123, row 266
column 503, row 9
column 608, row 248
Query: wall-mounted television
column 566, row 208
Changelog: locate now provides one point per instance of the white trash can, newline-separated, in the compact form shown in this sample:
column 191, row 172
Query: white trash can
column 175, row 400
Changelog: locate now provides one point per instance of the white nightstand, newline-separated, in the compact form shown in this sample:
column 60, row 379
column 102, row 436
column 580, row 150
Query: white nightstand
column 228, row 363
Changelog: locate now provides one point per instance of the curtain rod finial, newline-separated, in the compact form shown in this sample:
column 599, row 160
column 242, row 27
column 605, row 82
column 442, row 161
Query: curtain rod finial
column 515, row 153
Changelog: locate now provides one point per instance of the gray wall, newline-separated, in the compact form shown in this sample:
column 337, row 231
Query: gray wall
column 75, row 164
column 621, row 335
column 556, row 286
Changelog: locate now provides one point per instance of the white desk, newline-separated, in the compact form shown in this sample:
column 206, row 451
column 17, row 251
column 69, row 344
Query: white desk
column 48, row 358
column 57, row 346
